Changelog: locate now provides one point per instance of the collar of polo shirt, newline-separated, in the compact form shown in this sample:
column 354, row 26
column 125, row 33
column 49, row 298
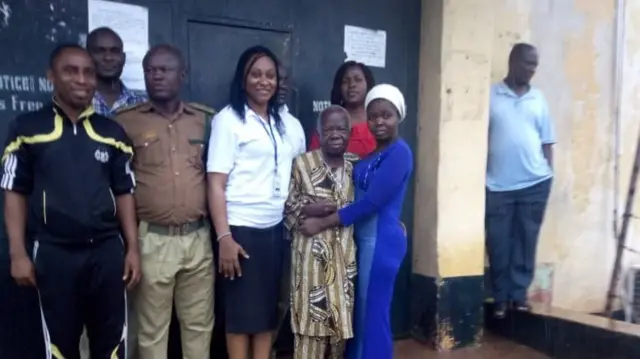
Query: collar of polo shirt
column 503, row 89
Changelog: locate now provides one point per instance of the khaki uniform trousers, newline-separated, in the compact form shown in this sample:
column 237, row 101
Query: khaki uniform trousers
column 175, row 269
column 308, row 347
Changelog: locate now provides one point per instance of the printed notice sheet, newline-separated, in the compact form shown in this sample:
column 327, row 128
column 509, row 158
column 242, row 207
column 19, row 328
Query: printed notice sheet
column 368, row 46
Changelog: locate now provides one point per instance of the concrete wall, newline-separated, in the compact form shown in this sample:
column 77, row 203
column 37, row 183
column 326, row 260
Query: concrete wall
column 455, row 55
column 576, row 39
column 448, row 245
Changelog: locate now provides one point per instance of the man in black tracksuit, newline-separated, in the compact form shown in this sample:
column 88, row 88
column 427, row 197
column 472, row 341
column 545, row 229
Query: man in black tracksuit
column 75, row 165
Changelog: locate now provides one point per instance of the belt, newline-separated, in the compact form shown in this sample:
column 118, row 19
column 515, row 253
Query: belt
column 177, row 230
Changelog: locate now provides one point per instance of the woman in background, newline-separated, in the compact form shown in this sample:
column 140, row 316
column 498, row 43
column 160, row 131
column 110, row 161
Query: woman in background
column 351, row 83
column 249, row 168
column 381, row 181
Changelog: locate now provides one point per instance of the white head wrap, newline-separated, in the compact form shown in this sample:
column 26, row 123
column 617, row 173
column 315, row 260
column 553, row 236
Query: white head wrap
column 389, row 93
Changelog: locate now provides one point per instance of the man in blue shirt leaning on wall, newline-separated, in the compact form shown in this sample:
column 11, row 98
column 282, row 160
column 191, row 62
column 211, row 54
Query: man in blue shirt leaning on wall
column 519, row 176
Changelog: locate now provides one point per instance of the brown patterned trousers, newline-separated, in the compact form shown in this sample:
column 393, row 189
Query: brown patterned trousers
column 308, row 347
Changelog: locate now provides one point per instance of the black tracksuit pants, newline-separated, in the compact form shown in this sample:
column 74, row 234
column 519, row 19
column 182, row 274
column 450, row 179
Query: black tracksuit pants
column 82, row 284
column 20, row 324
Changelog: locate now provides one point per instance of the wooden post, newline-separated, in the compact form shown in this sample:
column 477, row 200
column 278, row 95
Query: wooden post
column 622, row 236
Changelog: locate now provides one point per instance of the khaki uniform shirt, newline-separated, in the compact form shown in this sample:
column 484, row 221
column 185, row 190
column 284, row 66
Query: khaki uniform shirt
column 168, row 162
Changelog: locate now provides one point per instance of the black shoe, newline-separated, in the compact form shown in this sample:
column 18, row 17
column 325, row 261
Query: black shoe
column 522, row 306
column 500, row 310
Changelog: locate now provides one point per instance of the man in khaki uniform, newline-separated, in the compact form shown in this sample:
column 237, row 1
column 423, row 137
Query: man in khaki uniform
column 176, row 255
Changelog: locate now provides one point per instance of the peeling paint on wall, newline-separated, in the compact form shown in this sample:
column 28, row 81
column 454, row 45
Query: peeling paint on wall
column 541, row 290
column 5, row 14
column 444, row 336
column 57, row 27
column 28, row 28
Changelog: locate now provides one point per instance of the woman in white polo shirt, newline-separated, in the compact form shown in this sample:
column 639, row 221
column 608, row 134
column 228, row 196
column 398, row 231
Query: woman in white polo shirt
column 249, row 167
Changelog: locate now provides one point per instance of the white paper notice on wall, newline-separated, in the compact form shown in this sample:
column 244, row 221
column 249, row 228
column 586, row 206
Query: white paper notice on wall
column 131, row 22
column 364, row 45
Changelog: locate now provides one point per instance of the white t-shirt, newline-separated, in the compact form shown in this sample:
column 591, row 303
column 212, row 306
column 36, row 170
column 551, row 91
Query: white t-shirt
column 294, row 132
column 257, row 187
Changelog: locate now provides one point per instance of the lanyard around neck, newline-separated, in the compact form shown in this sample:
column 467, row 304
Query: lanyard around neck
column 269, row 130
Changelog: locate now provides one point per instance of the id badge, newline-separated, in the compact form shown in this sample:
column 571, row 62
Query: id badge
column 277, row 189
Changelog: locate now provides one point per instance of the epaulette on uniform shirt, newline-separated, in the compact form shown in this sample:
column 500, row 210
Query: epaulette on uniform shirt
column 206, row 109
column 209, row 112
column 129, row 107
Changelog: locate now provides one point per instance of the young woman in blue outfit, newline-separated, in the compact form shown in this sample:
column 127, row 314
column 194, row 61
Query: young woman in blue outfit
column 381, row 181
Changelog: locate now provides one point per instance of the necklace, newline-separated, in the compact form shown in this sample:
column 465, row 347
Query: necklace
column 336, row 183
column 371, row 168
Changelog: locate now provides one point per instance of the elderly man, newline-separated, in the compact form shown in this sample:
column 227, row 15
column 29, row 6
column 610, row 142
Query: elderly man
column 323, row 267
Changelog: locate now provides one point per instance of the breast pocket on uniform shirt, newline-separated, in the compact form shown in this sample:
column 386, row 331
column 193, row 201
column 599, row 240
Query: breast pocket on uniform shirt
column 196, row 152
column 149, row 151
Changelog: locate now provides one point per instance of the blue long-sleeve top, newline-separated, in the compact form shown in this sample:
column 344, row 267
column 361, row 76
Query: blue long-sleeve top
column 386, row 177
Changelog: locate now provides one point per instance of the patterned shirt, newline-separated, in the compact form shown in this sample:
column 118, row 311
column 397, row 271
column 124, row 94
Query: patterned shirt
column 127, row 98
column 323, row 266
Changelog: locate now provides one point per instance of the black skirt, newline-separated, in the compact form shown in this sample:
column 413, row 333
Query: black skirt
column 251, row 301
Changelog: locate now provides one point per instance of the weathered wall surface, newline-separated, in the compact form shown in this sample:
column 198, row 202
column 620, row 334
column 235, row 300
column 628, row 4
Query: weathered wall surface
column 630, row 118
column 576, row 40
column 455, row 63
column 452, row 132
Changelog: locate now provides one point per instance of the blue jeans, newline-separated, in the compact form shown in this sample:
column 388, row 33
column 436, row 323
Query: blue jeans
column 512, row 221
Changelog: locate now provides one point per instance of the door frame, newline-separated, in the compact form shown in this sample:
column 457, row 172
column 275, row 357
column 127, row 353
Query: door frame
column 182, row 36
